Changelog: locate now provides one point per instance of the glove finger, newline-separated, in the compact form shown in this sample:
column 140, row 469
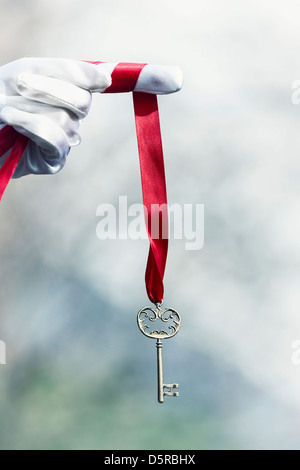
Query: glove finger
column 41, row 130
column 35, row 107
column 159, row 79
column 55, row 92
column 79, row 73
column 155, row 79
column 25, row 104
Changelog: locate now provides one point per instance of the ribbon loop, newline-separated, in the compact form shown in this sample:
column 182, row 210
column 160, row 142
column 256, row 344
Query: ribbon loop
column 124, row 79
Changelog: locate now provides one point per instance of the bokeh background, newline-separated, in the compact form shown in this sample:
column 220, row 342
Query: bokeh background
column 79, row 374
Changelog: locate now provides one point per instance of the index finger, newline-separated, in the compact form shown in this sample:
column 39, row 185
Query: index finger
column 155, row 79
column 159, row 79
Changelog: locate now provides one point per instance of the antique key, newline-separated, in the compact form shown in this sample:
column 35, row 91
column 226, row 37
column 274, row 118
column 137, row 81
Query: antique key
column 172, row 318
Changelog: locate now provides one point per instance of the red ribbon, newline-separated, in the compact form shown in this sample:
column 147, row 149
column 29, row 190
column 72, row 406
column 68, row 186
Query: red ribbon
column 154, row 190
column 10, row 139
column 124, row 79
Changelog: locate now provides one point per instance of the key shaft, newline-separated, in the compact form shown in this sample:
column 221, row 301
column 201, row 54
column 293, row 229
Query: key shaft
column 160, row 379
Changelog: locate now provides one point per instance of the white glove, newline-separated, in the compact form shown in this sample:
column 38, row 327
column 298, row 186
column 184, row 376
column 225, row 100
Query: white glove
column 45, row 99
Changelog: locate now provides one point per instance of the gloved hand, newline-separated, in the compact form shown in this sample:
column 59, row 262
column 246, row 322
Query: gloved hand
column 45, row 99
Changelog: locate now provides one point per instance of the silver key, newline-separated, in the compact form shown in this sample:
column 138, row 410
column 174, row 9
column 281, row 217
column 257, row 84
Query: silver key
column 172, row 318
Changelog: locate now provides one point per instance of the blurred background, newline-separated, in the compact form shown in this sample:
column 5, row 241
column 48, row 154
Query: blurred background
column 79, row 374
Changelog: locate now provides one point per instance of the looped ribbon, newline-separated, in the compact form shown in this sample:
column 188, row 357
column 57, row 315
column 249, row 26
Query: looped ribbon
column 124, row 78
